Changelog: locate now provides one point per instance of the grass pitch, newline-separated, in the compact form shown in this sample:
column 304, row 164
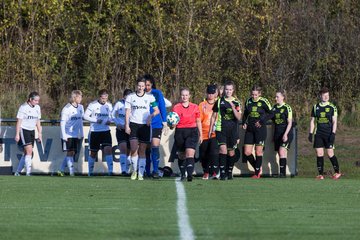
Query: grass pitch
column 44, row 207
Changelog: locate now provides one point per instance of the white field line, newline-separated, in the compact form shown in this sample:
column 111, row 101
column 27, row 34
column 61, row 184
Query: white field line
column 186, row 232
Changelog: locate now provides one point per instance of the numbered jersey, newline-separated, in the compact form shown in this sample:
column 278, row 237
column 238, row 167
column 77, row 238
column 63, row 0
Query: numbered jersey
column 29, row 116
column 72, row 121
column 323, row 114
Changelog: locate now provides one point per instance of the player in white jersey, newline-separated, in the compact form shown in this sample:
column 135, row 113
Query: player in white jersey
column 118, row 115
column 71, row 125
column 28, row 118
column 137, row 125
column 98, row 113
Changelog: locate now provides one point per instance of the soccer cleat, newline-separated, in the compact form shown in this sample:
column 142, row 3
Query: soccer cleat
column 72, row 174
column 230, row 176
column 28, row 174
column 155, row 176
column 222, row 177
column 140, row 178
column 17, row 174
column 189, row 178
column 336, row 176
column 214, row 176
column 205, row 176
column 282, row 175
column 255, row 176
column 60, row 174
column 134, row 175
column 319, row 177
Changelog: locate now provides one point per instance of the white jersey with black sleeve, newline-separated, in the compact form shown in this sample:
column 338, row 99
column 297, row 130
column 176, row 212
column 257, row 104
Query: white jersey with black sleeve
column 29, row 116
column 97, row 111
column 140, row 106
column 118, row 113
column 72, row 121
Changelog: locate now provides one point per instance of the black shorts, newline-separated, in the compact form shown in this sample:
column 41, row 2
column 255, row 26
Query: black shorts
column 70, row 145
column 141, row 132
column 122, row 136
column 322, row 141
column 278, row 142
column 99, row 140
column 27, row 137
column 186, row 138
column 208, row 148
column 254, row 135
column 228, row 136
column 156, row 133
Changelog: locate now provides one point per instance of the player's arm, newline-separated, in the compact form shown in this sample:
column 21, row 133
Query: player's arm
column 312, row 128
column 64, row 119
column 236, row 110
column 39, row 129
column 88, row 115
column 245, row 116
column 17, row 132
column 127, row 120
column 156, row 112
column 268, row 112
column 289, row 123
column 198, row 124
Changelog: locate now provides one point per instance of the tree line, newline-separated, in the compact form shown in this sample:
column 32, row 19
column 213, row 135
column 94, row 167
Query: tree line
column 56, row 46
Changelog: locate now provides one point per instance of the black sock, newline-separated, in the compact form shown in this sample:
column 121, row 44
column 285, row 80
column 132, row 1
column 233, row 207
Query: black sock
column 335, row 163
column 251, row 160
column 320, row 165
column 230, row 164
column 215, row 164
column 258, row 164
column 222, row 165
column 205, row 164
column 282, row 166
column 190, row 162
column 181, row 164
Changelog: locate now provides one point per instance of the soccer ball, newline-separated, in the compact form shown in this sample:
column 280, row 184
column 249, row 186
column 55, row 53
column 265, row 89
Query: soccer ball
column 172, row 118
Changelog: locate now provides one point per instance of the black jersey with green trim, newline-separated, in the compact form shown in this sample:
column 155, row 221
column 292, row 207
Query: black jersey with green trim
column 281, row 114
column 225, row 112
column 255, row 111
column 323, row 114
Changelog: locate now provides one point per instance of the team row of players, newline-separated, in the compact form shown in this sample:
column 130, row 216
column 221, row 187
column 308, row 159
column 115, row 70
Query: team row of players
column 140, row 118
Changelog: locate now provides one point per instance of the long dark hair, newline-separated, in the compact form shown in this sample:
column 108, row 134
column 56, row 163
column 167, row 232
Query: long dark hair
column 32, row 96
column 151, row 79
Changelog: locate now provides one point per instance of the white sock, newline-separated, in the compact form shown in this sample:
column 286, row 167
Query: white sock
column 70, row 164
column 128, row 163
column 28, row 164
column 91, row 163
column 142, row 164
column 109, row 161
column 21, row 164
column 63, row 164
column 123, row 163
column 134, row 161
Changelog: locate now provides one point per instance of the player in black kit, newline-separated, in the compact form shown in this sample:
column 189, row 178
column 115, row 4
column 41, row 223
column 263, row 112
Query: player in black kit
column 323, row 126
column 257, row 111
column 283, row 135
